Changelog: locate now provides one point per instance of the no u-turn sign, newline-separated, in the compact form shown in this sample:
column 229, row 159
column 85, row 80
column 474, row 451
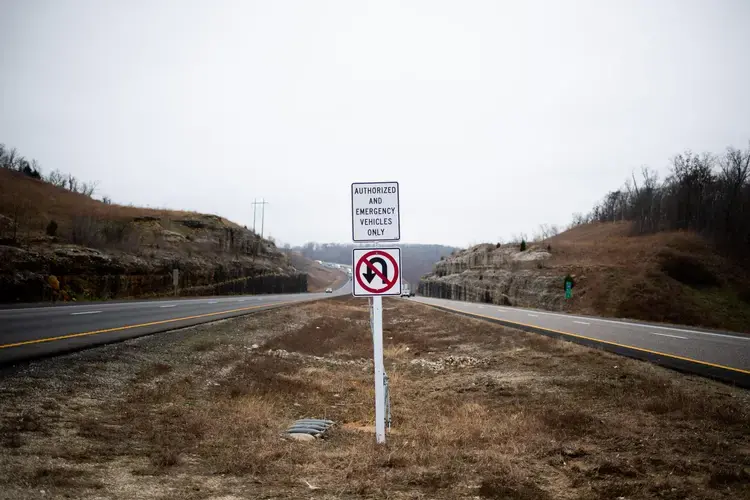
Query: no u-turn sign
column 377, row 271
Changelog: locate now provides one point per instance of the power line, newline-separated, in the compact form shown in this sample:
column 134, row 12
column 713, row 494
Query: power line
column 263, row 204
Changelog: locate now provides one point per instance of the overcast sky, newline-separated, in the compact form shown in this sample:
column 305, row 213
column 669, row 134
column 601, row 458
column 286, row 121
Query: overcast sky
column 493, row 116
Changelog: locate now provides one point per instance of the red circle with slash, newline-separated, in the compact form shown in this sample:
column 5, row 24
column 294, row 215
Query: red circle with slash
column 388, row 284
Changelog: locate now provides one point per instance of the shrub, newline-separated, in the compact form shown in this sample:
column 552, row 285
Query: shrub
column 52, row 228
column 688, row 270
column 85, row 231
column 523, row 245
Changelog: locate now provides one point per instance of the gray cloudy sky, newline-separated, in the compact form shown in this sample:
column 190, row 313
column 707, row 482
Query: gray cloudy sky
column 494, row 116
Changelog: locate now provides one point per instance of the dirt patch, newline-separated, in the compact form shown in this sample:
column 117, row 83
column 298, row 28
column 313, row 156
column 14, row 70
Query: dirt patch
column 479, row 411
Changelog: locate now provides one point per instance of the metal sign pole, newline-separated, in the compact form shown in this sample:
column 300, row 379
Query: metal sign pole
column 372, row 322
column 377, row 344
column 376, row 272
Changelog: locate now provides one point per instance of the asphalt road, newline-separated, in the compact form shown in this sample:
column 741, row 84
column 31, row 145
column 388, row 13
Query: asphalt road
column 31, row 332
column 676, row 346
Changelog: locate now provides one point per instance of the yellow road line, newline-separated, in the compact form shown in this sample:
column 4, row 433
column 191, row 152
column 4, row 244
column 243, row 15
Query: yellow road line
column 128, row 327
column 649, row 351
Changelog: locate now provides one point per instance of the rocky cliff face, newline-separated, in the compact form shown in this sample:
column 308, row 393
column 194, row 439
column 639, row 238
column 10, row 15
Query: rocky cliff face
column 672, row 277
column 496, row 275
column 136, row 258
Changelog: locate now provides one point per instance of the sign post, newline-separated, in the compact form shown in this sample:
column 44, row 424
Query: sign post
column 569, row 283
column 175, row 280
column 377, row 355
column 376, row 271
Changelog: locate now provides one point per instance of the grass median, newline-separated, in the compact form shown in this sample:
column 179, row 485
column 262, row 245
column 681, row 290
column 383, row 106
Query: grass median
column 479, row 411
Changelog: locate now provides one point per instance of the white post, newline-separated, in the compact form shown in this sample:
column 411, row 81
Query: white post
column 377, row 344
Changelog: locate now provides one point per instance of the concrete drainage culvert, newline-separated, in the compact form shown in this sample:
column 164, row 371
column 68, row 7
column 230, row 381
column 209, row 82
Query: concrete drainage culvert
column 308, row 429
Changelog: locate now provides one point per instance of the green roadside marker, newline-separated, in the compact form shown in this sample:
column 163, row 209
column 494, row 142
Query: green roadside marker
column 569, row 283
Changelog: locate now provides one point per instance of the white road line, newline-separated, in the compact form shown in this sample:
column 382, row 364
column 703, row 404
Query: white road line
column 212, row 302
column 85, row 312
column 170, row 305
column 534, row 315
column 581, row 322
column 667, row 335
column 481, row 307
column 626, row 323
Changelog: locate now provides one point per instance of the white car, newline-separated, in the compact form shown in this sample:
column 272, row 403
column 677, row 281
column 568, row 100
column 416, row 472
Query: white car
column 329, row 290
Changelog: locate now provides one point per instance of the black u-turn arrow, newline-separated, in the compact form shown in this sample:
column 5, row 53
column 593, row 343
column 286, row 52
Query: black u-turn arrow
column 370, row 274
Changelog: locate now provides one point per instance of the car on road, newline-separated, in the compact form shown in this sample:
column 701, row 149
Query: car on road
column 329, row 290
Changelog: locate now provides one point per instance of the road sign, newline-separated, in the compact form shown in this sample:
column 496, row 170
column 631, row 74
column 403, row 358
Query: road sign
column 375, row 211
column 377, row 272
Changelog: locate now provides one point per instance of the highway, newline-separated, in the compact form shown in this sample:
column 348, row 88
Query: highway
column 721, row 355
column 31, row 332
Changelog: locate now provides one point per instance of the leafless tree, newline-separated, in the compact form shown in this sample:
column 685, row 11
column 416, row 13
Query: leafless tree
column 88, row 188
column 10, row 158
column 85, row 231
column 701, row 193
column 578, row 219
column 517, row 238
column 56, row 178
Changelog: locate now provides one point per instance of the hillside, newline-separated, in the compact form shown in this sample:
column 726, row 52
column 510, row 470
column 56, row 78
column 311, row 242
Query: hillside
column 318, row 277
column 676, row 277
column 417, row 259
column 58, row 244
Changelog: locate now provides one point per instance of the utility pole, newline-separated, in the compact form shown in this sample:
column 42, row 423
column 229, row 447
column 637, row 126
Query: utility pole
column 263, row 216
column 263, row 204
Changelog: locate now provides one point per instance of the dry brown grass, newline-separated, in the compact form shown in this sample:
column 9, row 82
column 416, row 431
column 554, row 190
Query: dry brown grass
column 318, row 277
column 43, row 202
column 198, row 414
column 672, row 277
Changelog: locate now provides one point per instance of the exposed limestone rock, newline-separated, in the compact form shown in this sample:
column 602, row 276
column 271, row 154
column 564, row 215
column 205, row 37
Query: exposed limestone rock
column 492, row 275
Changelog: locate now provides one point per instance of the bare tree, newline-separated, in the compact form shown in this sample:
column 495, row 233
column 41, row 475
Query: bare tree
column 18, row 212
column 701, row 193
column 89, row 188
column 72, row 183
column 517, row 238
column 578, row 219
column 57, row 178
column 9, row 159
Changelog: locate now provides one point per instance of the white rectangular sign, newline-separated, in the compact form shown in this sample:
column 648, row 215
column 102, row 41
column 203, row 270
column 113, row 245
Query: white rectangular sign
column 377, row 271
column 375, row 211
